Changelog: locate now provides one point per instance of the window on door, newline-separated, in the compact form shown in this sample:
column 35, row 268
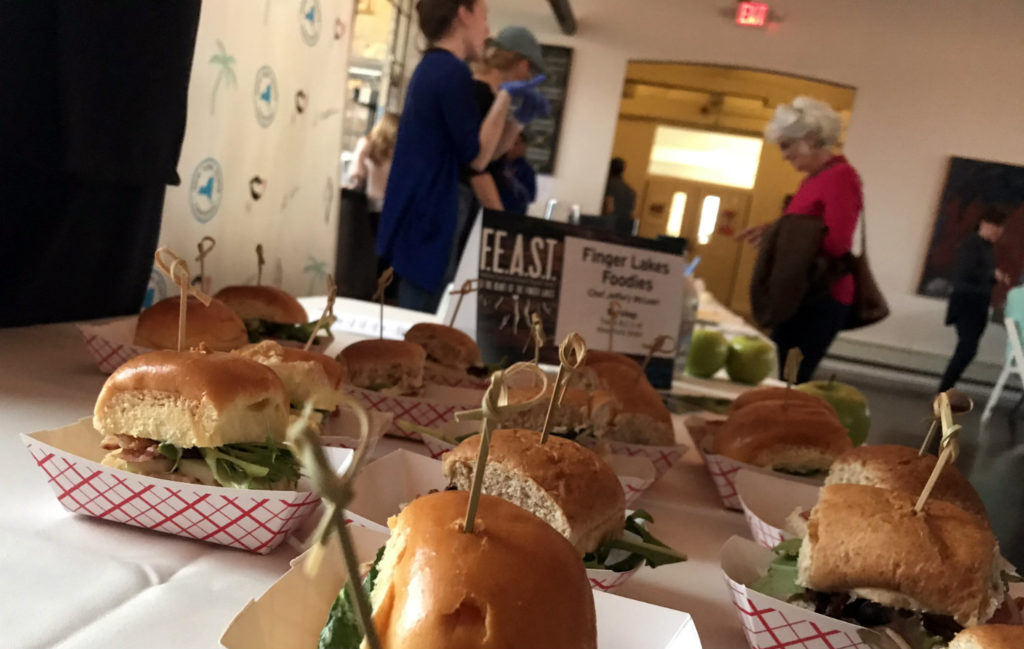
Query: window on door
column 708, row 218
column 675, row 215
column 705, row 156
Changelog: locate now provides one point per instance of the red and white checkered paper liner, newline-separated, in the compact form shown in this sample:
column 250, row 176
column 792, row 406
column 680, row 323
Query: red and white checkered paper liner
column 662, row 457
column 608, row 581
column 426, row 410
column 253, row 520
column 769, row 623
column 723, row 472
column 767, row 499
column 111, row 344
column 436, row 446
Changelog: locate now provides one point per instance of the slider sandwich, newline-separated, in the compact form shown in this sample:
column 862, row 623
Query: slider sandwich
column 640, row 416
column 569, row 487
column 511, row 583
column 214, row 325
column 308, row 377
column 269, row 312
column 449, row 351
column 392, row 367
column 780, row 429
column 200, row 417
column 870, row 559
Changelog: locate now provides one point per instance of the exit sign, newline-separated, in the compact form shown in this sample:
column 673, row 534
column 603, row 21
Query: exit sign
column 752, row 14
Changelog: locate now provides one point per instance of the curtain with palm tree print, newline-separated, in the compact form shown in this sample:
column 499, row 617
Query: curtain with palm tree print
column 260, row 158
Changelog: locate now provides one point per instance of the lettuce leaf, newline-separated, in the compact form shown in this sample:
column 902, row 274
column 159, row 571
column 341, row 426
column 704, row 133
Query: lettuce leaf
column 261, row 329
column 780, row 580
column 342, row 628
column 647, row 550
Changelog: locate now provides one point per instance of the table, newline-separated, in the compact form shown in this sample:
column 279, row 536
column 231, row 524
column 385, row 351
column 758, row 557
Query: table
column 74, row 582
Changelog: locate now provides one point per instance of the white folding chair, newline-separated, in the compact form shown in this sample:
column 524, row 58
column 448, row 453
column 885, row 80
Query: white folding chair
column 1014, row 362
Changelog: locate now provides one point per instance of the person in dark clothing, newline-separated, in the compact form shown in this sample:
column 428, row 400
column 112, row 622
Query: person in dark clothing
column 619, row 198
column 92, row 117
column 519, row 188
column 974, row 275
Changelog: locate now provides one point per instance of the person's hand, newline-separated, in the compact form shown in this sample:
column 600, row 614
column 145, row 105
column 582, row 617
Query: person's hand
column 519, row 88
column 1002, row 277
column 753, row 234
column 531, row 106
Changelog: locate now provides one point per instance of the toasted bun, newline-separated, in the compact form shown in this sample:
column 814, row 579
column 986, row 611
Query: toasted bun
column 990, row 636
column 191, row 399
column 309, row 377
column 641, row 417
column 512, row 583
column 900, row 468
column 263, row 303
column 215, row 326
column 392, row 362
column 564, row 483
column 756, row 395
column 446, row 345
column 869, row 542
column 790, row 434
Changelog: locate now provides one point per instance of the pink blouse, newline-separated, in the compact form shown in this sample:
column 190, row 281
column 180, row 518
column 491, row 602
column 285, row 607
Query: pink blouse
column 834, row 195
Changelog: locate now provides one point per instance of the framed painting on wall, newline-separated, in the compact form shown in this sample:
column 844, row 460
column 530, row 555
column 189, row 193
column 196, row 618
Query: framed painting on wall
column 971, row 188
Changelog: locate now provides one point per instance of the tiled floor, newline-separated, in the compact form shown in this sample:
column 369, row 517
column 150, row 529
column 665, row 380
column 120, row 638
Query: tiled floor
column 988, row 456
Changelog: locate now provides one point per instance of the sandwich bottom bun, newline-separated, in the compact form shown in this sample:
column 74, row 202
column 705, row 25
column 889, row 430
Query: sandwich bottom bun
column 990, row 636
column 512, row 583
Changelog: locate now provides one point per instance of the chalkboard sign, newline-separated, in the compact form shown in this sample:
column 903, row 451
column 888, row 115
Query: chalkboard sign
column 542, row 133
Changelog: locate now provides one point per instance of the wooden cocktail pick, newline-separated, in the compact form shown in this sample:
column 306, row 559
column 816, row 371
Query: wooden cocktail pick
column 571, row 354
column 328, row 314
column 336, row 492
column 494, row 406
column 383, row 282
column 205, row 246
column 176, row 269
column 468, row 287
column 614, row 309
column 260, row 263
column 950, row 447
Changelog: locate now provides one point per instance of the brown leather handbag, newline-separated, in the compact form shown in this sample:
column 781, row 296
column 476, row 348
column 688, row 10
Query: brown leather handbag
column 869, row 305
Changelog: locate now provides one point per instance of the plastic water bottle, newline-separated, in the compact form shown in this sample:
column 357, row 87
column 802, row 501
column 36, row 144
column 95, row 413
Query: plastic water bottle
column 691, row 298
column 549, row 211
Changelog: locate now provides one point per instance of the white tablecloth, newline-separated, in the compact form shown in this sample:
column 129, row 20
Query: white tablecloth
column 73, row 582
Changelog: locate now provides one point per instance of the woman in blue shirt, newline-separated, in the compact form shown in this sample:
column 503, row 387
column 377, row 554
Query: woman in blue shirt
column 441, row 132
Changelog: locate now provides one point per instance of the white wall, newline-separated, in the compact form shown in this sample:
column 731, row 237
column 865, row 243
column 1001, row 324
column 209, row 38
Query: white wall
column 934, row 79
column 294, row 153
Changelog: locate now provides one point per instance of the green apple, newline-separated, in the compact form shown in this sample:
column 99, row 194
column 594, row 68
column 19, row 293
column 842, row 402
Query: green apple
column 707, row 353
column 850, row 405
column 751, row 359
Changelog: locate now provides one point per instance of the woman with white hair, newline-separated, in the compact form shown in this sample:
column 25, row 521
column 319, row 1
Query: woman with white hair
column 829, row 201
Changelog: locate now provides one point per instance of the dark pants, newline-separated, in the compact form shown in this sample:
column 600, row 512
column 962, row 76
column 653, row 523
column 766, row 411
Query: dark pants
column 969, row 327
column 812, row 330
column 413, row 297
column 74, row 249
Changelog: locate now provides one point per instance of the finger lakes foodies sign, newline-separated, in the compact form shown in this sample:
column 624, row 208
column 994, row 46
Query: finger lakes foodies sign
column 569, row 275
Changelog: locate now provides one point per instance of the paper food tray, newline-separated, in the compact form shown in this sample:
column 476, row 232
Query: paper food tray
column 434, row 407
column 294, row 609
column 769, row 623
column 662, row 458
column 341, row 428
column 722, row 469
column 112, row 344
column 385, row 485
column 636, row 473
column 248, row 519
column 767, row 500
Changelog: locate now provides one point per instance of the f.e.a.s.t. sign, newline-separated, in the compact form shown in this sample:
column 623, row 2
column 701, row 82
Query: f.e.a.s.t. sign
column 569, row 275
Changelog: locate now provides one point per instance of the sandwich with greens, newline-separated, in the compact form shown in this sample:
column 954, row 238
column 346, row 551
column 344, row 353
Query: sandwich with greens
column 200, row 417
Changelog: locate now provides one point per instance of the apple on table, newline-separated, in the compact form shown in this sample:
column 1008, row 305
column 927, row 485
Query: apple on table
column 707, row 353
column 849, row 403
column 750, row 360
